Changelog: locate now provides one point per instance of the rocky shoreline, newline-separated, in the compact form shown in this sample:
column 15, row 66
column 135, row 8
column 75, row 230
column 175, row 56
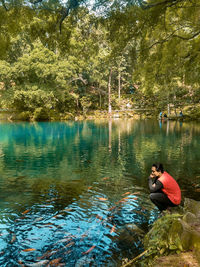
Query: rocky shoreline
column 174, row 239
column 189, row 114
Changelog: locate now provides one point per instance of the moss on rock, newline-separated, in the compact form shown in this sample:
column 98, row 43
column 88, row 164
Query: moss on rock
column 174, row 233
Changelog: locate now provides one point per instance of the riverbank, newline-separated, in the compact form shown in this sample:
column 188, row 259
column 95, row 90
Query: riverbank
column 42, row 115
column 190, row 113
column 27, row 116
column 174, row 239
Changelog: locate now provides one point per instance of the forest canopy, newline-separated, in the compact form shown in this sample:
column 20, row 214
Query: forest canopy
column 79, row 55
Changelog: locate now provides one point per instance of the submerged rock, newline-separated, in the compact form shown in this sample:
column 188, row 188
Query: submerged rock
column 129, row 234
column 85, row 260
column 134, row 229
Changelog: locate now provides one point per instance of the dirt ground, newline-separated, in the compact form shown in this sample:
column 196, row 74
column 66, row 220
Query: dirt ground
column 186, row 259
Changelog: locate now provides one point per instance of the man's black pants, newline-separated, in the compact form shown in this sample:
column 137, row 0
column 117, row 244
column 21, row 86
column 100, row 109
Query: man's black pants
column 161, row 201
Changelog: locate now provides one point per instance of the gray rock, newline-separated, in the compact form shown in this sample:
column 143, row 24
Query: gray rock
column 83, row 261
column 189, row 217
column 192, row 206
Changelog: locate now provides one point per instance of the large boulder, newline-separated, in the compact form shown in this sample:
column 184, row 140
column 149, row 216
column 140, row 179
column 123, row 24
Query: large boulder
column 192, row 206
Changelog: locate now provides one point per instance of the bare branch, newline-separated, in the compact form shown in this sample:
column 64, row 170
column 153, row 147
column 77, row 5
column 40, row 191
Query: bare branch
column 145, row 5
column 99, row 90
column 4, row 5
column 172, row 35
column 162, row 41
column 187, row 38
column 78, row 78
column 65, row 13
column 73, row 4
column 35, row 1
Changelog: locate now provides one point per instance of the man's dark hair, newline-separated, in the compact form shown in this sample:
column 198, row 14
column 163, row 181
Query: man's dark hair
column 159, row 167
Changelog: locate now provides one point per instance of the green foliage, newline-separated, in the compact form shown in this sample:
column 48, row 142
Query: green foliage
column 68, row 116
column 5, row 74
column 162, row 239
column 192, row 111
column 151, row 44
column 31, row 99
column 25, row 116
column 85, row 103
column 41, row 114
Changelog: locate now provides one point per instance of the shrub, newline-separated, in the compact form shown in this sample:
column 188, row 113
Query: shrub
column 68, row 116
column 25, row 116
column 41, row 114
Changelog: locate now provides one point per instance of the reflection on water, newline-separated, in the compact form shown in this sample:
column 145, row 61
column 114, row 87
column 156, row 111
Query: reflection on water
column 77, row 192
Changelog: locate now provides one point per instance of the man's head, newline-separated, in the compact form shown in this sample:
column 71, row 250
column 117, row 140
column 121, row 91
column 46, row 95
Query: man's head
column 157, row 169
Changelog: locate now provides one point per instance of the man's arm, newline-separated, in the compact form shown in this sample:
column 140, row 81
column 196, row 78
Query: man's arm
column 154, row 185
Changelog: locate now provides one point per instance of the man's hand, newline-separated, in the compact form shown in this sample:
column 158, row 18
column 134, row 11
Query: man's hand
column 152, row 176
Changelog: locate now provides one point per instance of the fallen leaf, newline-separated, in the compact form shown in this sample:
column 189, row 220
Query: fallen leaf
column 64, row 240
column 52, row 199
column 127, row 193
column 99, row 217
column 123, row 200
column 70, row 244
column 28, row 249
column 113, row 229
column 136, row 193
column 102, row 199
column 47, row 254
column 133, row 198
column 67, row 209
column 21, row 263
column 47, row 224
column 37, row 264
column 45, row 205
column 68, row 252
column 55, row 262
column 13, row 239
column 38, row 219
column 105, row 178
column 83, row 236
column 90, row 249
column 21, row 218
column 26, row 211
column 139, row 212
column 58, row 215
column 112, row 208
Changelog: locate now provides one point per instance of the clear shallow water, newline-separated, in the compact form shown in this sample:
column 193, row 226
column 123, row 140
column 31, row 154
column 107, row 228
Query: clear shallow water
column 77, row 192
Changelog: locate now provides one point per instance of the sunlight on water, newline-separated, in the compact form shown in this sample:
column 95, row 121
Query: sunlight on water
column 77, row 192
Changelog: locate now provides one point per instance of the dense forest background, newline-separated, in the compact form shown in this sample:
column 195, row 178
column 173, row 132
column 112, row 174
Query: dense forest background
column 76, row 56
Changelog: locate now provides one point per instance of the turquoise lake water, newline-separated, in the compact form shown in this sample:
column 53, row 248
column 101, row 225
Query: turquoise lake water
column 76, row 193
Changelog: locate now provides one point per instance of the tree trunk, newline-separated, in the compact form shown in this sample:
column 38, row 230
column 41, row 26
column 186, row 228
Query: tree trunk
column 110, row 135
column 109, row 93
column 100, row 100
column 168, row 109
column 119, row 86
